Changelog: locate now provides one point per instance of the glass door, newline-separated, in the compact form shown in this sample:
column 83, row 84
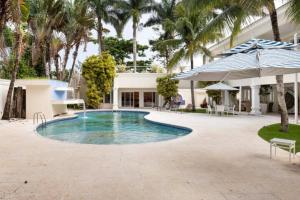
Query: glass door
column 130, row 99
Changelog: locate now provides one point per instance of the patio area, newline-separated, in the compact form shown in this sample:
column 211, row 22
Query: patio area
column 222, row 159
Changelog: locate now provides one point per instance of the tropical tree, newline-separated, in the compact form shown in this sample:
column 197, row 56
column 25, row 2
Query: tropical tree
column 45, row 17
column 163, row 15
column 167, row 87
column 84, row 23
column 135, row 9
column 191, row 37
column 104, row 12
column 56, row 46
column 17, row 11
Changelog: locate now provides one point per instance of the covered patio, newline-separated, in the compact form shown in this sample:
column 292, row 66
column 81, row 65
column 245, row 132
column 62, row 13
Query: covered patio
column 252, row 68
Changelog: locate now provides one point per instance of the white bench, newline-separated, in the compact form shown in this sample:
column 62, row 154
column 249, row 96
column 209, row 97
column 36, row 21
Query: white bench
column 284, row 144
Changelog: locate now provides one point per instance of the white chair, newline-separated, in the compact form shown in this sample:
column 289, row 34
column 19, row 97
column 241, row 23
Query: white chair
column 230, row 109
column 220, row 109
column 209, row 109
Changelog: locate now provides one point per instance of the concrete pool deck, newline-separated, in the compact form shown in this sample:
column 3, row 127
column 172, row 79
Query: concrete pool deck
column 222, row 159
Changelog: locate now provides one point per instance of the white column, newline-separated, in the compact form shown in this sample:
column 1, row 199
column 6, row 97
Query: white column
column 296, row 86
column 116, row 96
column 255, row 100
column 296, row 98
column 226, row 98
column 240, row 101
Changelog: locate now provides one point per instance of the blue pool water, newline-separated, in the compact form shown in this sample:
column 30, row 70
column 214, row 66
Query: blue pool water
column 120, row 127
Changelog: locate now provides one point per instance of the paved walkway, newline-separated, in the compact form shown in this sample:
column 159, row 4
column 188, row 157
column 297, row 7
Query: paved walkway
column 223, row 159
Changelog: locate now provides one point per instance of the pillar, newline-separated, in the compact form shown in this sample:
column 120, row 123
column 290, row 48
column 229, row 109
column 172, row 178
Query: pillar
column 296, row 98
column 115, row 97
column 226, row 98
column 240, row 100
column 255, row 100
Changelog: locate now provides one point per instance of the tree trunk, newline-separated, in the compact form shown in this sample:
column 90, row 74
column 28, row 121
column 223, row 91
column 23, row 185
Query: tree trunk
column 56, row 63
column 46, row 71
column 279, row 78
column 192, row 86
column 8, row 106
column 100, row 35
column 134, row 26
column 66, row 57
column 74, row 60
column 3, row 10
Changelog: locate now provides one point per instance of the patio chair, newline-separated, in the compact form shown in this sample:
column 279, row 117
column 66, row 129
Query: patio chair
column 220, row 109
column 209, row 109
column 230, row 110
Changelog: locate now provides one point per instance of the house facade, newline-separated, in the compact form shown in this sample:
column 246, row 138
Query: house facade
column 138, row 90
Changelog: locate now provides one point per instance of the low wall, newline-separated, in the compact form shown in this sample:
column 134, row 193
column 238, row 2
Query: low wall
column 3, row 93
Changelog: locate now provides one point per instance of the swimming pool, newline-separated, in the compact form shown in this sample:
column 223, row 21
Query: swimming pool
column 107, row 127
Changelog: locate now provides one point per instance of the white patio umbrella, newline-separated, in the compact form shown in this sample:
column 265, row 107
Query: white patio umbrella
column 223, row 88
column 263, row 62
column 220, row 86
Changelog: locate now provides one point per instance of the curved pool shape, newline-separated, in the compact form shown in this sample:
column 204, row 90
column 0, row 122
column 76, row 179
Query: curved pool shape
column 118, row 127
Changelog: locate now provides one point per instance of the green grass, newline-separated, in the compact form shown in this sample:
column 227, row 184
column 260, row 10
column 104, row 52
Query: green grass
column 273, row 131
column 200, row 110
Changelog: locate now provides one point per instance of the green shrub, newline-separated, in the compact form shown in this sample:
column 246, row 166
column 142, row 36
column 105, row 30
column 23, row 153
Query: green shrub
column 167, row 87
column 99, row 73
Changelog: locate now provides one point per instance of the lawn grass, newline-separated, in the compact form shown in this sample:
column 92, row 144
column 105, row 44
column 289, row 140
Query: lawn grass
column 273, row 131
column 199, row 110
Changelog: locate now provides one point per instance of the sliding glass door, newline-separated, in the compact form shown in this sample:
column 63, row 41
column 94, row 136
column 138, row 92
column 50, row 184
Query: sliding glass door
column 150, row 99
column 130, row 99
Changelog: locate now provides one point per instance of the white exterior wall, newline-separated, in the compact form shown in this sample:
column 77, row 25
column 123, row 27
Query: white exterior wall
column 4, row 84
column 38, row 99
column 146, row 82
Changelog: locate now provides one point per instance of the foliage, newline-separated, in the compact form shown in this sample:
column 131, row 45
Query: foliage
column 273, row 131
column 167, row 87
column 121, row 49
column 201, row 110
column 156, row 69
column 99, row 73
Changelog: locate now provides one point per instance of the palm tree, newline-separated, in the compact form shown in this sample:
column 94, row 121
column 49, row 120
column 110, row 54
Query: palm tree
column 45, row 17
column 164, row 14
column 84, row 23
column 15, row 16
column 190, row 38
column 135, row 9
column 103, row 9
column 294, row 10
column 56, row 45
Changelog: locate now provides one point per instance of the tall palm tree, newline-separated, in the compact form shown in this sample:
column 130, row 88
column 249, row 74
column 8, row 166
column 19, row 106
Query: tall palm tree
column 84, row 23
column 56, row 45
column 164, row 14
column 45, row 17
column 191, row 37
column 135, row 9
column 17, row 11
column 103, row 10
